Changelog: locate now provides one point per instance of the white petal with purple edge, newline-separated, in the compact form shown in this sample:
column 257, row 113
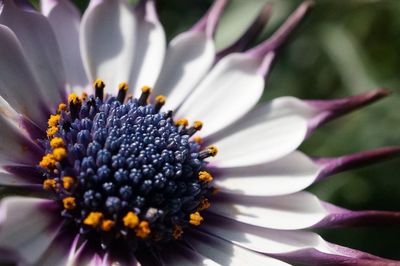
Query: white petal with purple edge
column 7, row 179
column 179, row 255
column 150, row 47
column 39, row 47
column 64, row 19
column 188, row 58
column 289, row 174
column 268, row 133
column 107, row 42
column 290, row 212
column 13, row 88
column 25, row 228
column 226, row 253
column 265, row 240
column 229, row 91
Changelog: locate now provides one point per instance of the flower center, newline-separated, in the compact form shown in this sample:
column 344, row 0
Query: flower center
column 122, row 170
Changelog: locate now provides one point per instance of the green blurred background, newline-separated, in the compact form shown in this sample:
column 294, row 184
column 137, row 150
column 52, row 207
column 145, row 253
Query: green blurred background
column 343, row 48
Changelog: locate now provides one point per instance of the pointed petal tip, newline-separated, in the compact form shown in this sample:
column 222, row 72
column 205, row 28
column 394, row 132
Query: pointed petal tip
column 208, row 23
column 336, row 165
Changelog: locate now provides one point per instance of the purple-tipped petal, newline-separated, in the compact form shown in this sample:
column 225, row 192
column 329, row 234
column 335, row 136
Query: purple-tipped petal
column 150, row 47
column 208, row 23
column 250, row 34
column 331, row 166
column 40, row 48
column 290, row 246
column 340, row 217
column 64, row 19
column 331, row 109
column 281, row 35
column 27, row 227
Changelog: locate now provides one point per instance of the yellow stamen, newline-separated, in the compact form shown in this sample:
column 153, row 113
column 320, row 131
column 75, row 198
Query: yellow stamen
column 204, row 204
column 197, row 125
column 73, row 98
column 146, row 89
column 123, row 86
column 93, row 219
column 48, row 161
column 106, row 225
column 49, row 183
column 195, row 218
column 62, row 107
column 205, row 177
column 59, row 154
column 51, row 131
column 68, row 182
column 69, row 203
column 84, row 95
column 178, row 232
column 143, row 229
column 161, row 99
column 213, row 150
column 198, row 139
column 182, row 122
column 131, row 220
column 53, row 120
column 215, row 190
column 99, row 84
column 57, row 142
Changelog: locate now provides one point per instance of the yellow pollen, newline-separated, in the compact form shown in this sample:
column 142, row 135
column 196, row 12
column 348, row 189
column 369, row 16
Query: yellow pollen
column 131, row 220
column 59, row 154
column 84, row 95
column 53, row 120
column 69, row 203
column 205, row 177
column 49, row 183
column 57, row 142
column 146, row 89
column 51, row 131
column 99, row 83
column 93, row 219
column 73, row 98
column 178, row 232
column 123, row 86
column 213, row 150
column 68, row 182
column 48, row 161
column 195, row 218
column 204, row 204
column 198, row 139
column 161, row 99
column 62, row 107
column 143, row 229
column 197, row 125
column 106, row 225
column 182, row 122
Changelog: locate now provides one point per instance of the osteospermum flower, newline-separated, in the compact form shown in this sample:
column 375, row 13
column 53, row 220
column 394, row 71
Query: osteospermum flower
column 140, row 154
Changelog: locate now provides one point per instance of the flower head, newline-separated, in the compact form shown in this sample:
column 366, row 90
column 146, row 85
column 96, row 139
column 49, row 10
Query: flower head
column 154, row 155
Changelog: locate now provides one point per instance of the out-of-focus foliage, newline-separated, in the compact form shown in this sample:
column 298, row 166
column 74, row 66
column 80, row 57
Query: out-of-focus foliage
column 343, row 48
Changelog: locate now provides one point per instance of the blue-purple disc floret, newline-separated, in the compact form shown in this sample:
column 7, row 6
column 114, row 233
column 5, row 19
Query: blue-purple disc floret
column 126, row 158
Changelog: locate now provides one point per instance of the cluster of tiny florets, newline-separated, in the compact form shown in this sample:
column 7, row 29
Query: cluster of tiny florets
column 123, row 170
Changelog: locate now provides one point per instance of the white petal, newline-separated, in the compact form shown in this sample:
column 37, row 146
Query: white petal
column 179, row 255
column 266, row 134
column 14, row 144
column 39, row 47
column 228, row 92
column 291, row 173
column 188, row 58
column 25, row 228
column 64, row 19
column 226, row 253
column 290, row 212
column 17, row 80
column 7, row 179
column 265, row 240
column 107, row 41
column 150, row 47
